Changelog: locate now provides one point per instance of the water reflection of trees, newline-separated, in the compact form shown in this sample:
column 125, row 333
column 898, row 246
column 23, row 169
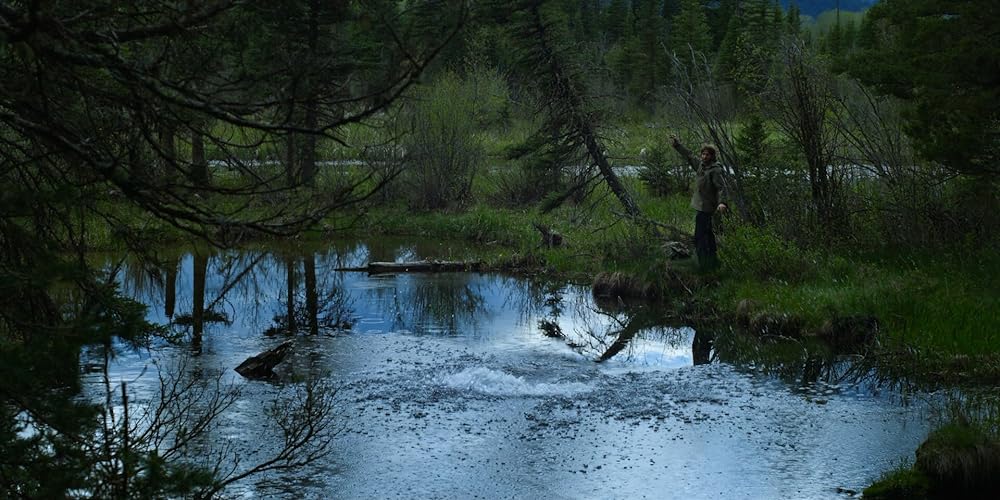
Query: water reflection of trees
column 449, row 302
column 600, row 329
column 315, row 306
column 613, row 329
column 803, row 363
column 221, row 286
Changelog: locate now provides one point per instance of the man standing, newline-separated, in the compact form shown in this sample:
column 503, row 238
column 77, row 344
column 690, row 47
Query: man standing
column 709, row 195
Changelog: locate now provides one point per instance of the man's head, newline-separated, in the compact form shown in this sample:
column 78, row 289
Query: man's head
column 708, row 154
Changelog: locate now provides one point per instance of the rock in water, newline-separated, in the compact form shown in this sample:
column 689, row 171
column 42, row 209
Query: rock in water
column 262, row 365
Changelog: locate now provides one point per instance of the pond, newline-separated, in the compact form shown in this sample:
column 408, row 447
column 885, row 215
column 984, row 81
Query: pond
column 448, row 385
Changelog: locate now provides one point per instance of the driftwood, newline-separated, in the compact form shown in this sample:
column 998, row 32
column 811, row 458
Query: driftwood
column 262, row 365
column 420, row 266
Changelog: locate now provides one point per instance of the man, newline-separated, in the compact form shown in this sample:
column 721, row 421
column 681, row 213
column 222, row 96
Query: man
column 709, row 195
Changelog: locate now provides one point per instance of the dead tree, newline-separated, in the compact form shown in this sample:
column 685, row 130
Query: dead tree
column 798, row 101
column 550, row 238
column 571, row 128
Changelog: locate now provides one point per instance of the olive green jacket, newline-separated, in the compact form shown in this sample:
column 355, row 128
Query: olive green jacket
column 710, row 186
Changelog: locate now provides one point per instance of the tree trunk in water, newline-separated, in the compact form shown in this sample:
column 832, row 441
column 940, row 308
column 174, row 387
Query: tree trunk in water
column 421, row 266
column 290, row 273
column 170, row 292
column 312, row 301
column 198, row 305
column 262, row 365
column 199, row 167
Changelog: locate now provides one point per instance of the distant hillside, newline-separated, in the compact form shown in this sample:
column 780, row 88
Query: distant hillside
column 815, row 7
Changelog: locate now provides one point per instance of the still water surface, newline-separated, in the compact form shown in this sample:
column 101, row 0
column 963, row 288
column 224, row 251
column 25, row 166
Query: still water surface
column 449, row 388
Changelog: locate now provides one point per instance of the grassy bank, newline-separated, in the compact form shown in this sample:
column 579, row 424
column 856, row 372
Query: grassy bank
column 941, row 309
column 942, row 305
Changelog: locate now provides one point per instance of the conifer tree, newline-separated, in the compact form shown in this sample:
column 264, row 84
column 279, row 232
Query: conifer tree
column 650, row 63
column 616, row 20
column 689, row 34
column 850, row 36
column 834, row 41
column 777, row 24
column 793, row 20
column 941, row 57
column 746, row 52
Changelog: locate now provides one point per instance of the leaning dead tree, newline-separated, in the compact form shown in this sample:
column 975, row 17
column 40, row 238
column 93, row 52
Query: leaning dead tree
column 570, row 130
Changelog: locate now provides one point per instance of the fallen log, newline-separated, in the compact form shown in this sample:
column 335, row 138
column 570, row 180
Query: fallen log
column 262, row 365
column 420, row 266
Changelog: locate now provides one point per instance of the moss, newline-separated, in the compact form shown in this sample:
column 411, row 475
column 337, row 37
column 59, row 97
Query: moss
column 900, row 484
column 960, row 459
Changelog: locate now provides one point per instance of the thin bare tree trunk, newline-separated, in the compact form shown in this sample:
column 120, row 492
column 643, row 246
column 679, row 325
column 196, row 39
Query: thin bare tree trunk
column 199, row 167
column 198, row 304
column 312, row 300
column 290, row 311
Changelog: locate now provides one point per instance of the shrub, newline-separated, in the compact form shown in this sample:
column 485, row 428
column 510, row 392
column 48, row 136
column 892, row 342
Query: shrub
column 445, row 148
column 762, row 254
column 662, row 172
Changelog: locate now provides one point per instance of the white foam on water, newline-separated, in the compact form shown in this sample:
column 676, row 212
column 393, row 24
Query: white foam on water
column 499, row 383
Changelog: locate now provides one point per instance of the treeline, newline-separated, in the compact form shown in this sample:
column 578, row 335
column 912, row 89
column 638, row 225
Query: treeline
column 631, row 43
column 120, row 121
column 878, row 127
column 875, row 130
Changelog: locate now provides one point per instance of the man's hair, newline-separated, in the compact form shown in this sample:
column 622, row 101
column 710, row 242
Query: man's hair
column 710, row 147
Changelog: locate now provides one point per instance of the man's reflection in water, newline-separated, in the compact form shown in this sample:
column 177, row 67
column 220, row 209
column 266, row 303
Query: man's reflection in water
column 701, row 347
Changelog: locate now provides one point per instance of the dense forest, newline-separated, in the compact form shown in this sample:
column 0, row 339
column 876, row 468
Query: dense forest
column 865, row 133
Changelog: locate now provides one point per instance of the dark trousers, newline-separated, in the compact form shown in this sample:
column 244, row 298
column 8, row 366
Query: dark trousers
column 704, row 240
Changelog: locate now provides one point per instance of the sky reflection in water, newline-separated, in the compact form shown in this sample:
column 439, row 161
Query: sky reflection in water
column 450, row 389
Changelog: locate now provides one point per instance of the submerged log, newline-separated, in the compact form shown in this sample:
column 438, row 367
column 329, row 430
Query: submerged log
column 420, row 266
column 262, row 365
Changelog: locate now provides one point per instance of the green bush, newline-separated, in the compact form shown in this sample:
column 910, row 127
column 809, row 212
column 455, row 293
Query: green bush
column 664, row 173
column 762, row 254
column 445, row 148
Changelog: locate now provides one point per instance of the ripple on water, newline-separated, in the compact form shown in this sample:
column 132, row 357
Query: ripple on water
column 499, row 383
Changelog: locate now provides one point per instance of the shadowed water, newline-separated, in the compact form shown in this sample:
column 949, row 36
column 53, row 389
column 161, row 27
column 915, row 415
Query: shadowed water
column 449, row 388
